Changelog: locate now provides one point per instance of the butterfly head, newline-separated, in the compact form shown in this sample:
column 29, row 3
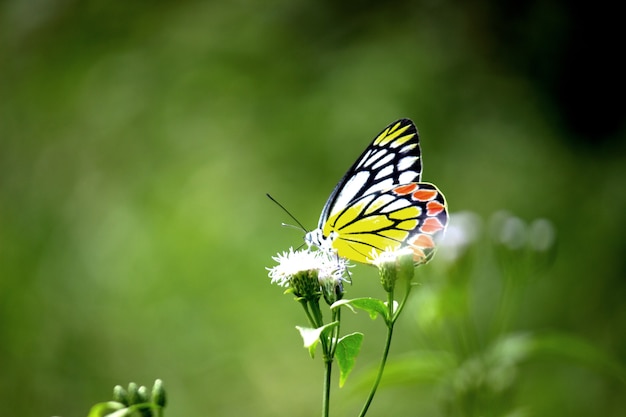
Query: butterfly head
column 316, row 238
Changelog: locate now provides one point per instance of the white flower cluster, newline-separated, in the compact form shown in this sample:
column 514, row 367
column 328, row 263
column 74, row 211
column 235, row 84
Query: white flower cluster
column 329, row 267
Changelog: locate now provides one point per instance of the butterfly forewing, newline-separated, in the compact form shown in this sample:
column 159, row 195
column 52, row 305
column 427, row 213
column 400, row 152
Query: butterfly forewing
column 392, row 158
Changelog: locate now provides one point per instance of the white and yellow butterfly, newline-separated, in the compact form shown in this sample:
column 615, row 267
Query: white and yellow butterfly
column 381, row 205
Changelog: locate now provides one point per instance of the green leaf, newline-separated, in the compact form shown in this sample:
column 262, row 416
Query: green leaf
column 103, row 410
column 311, row 337
column 373, row 306
column 348, row 349
column 106, row 409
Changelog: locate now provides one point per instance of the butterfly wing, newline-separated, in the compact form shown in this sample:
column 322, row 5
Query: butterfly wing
column 393, row 157
column 380, row 204
column 407, row 215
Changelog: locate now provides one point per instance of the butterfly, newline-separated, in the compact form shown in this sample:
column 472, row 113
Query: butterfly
column 381, row 205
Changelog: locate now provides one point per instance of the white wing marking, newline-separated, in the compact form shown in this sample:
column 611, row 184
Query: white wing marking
column 396, row 205
column 388, row 158
column 406, row 162
column 386, row 171
column 407, row 148
column 408, row 176
column 374, row 157
column 350, row 190
column 380, row 186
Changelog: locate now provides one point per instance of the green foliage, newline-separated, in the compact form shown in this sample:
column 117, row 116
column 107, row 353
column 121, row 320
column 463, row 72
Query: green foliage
column 132, row 402
column 372, row 306
column 311, row 337
column 348, row 349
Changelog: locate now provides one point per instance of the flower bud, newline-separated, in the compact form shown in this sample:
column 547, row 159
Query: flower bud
column 142, row 394
column 133, row 395
column 404, row 265
column 332, row 290
column 394, row 265
column 158, row 393
column 120, row 395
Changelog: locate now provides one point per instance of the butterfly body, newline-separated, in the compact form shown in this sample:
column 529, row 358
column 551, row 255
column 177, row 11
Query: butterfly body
column 380, row 204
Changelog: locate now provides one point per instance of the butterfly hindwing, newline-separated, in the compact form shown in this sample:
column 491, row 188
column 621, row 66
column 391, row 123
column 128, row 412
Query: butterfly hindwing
column 410, row 215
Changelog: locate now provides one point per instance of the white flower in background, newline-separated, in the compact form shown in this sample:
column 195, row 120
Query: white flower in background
column 463, row 229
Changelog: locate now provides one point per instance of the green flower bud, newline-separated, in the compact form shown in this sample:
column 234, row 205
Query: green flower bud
column 158, row 393
column 133, row 395
column 120, row 395
column 405, row 266
column 394, row 265
column 332, row 289
column 388, row 275
column 142, row 394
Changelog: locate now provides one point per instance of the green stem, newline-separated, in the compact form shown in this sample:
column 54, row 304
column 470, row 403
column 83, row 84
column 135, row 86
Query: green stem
column 329, row 356
column 328, row 347
column 396, row 313
column 317, row 314
column 381, row 368
column 305, row 306
column 335, row 336
column 326, row 395
column 393, row 316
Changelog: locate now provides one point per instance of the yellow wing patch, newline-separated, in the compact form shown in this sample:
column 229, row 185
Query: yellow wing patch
column 408, row 215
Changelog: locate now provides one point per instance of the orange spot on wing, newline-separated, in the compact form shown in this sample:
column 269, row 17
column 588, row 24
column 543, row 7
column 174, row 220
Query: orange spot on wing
column 424, row 195
column 418, row 255
column 434, row 207
column 423, row 241
column 431, row 225
column 405, row 189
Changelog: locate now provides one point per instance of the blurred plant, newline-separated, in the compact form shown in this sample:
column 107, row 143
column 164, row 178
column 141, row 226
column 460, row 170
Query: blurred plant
column 134, row 401
column 472, row 354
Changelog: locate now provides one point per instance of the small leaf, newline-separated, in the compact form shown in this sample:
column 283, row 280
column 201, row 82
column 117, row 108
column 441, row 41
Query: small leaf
column 311, row 337
column 106, row 409
column 348, row 349
column 372, row 305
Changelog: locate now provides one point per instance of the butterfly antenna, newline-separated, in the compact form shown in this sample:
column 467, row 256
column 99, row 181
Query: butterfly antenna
column 289, row 214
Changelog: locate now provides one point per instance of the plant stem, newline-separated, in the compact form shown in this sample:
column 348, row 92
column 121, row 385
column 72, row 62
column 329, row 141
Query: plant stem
column 390, row 323
column 335, row 334
column 381, row 368
column 396, row 313
column 326, row 395
column 305, row 306
column 317, row 314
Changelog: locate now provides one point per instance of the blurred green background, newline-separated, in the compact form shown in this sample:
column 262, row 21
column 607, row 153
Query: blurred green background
column 138, row 140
